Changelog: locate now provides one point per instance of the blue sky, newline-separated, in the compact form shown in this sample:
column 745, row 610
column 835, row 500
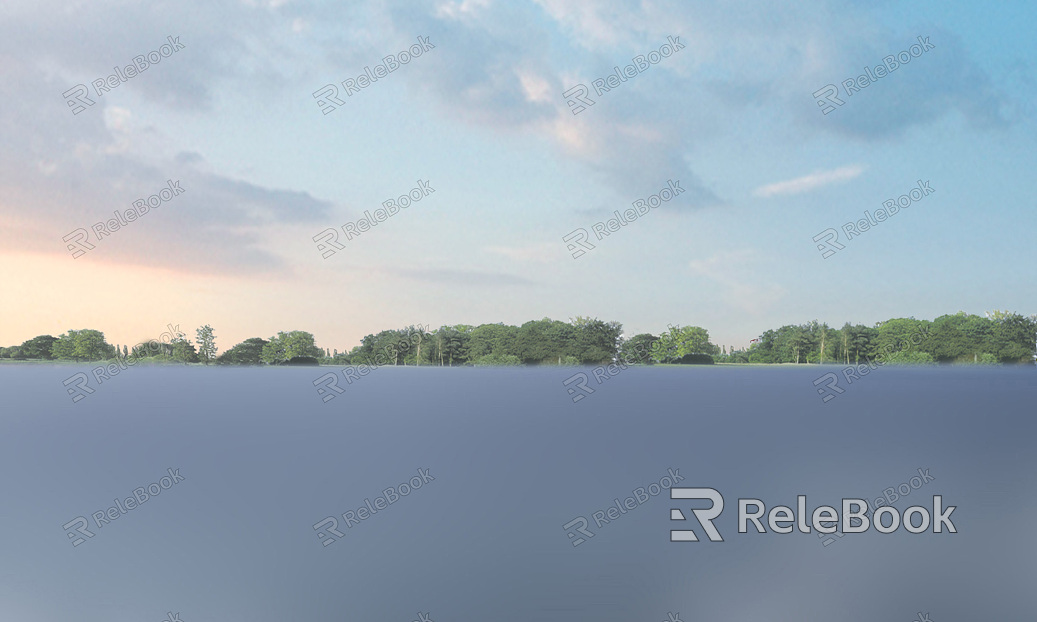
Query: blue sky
column 483, row 119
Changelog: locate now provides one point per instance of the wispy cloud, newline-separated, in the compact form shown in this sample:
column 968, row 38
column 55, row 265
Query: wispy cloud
column 809, row 182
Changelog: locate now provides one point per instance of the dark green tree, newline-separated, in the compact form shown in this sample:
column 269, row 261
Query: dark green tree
column 248, row 352
column 679, row 342
column 451, row 345
column 287, row 345
column 1012, row 337
column 39, row 347
column 82, row 345
column 595, row 341
column 543, row 341
column 638, row 349
column 492, row 339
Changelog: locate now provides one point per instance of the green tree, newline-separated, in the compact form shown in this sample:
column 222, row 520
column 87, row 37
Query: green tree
column 181, row 349
column 82, row 345
column 595, row 341
column 13, row 352
column 820, row 336
column 801, row 341
column 1012, row 337
column 764, row 349
column 638, row 349
column 783, row 345
column 248, row 352
column 39, row 347
column 909, row 357
column 679, row 342
column 390, row 345
column 415, row 337
column 900, row 335
column 206, row 341
column 287, row 345
column 451, row 345
column 979, row 332
column 861, row 339
column 379, row 349
column 960, row 337
column 492, row 339
column 543, row 341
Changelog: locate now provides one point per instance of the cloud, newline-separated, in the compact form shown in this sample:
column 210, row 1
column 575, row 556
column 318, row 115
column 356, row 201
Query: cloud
column 809, row 182
column 60, row 172
column 461, row 10
column 944, row 80
column 486, row 73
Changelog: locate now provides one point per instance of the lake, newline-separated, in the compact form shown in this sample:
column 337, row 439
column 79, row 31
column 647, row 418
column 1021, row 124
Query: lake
column 488, row 470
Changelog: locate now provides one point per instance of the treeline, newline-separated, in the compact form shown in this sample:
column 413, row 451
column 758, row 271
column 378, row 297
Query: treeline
column 581, row 341
column 1000, row 337
column 173, row 347
column 90, row 345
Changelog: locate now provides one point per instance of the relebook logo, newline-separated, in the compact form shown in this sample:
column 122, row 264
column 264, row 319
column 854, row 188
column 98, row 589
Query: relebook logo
column 104, row 517
column 78, row 97
column 824, row 519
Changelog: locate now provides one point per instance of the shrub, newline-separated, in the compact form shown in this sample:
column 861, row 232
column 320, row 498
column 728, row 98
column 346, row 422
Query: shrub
column 982, row 359
column 498, row 360
column 695, row 359
column 909, row 358
column 301, row 360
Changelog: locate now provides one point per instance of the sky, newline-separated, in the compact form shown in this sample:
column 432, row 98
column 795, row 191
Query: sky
column 480, row 118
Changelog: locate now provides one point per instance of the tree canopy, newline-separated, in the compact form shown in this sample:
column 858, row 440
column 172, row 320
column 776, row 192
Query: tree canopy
column 999, row 337
column 287, row 345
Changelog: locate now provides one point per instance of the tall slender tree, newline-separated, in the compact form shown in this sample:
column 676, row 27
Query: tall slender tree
column 206, row 344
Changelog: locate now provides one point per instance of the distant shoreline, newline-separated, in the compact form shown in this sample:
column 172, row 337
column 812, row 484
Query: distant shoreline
column 68, row 363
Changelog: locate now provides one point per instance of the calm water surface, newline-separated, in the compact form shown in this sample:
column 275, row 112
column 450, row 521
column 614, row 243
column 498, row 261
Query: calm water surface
column 263, row 460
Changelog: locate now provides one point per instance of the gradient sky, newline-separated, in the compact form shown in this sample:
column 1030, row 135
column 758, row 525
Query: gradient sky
column 483, row 119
